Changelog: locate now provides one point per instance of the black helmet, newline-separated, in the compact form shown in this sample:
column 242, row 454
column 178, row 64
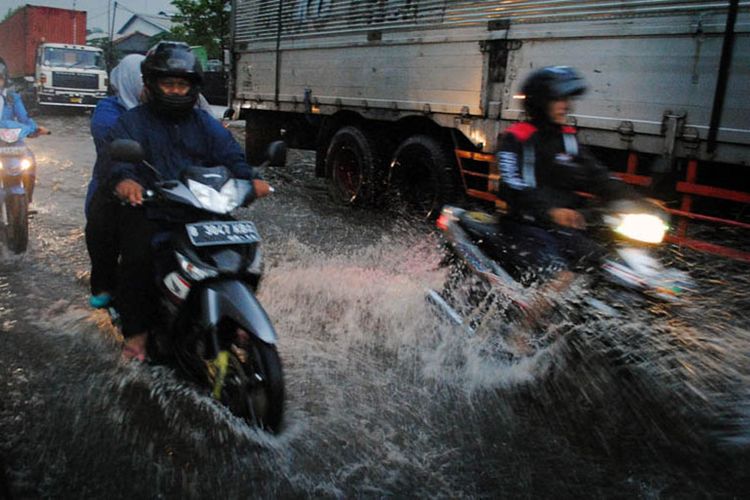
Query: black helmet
column 4, row 70
column 548, row 84
column 174, row 59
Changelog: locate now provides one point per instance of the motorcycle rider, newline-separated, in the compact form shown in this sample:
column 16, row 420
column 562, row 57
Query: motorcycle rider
column 12, row 109
column 174, row 135
column 542, row 167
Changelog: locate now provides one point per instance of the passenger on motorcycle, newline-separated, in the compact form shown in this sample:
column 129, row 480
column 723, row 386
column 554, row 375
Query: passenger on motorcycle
column 174, row 136
column 542, row 167
column 12, row 109
column 101, row 208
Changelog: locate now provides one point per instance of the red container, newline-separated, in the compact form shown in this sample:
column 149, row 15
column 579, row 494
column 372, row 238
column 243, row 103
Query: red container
column 21, row 34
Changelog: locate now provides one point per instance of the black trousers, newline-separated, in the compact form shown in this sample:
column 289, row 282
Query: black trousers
column 136, row 295
column 102, row 241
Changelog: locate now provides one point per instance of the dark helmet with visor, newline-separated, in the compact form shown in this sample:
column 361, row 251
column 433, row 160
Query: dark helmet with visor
column 172, row 59
column 549, row 84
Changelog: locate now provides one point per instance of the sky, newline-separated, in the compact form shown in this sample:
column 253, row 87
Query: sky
column 97, row 9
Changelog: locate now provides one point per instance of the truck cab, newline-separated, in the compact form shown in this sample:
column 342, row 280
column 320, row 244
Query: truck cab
column 70, row 75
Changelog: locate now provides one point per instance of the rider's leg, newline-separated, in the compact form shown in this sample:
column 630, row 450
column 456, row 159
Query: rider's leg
column 136, row 291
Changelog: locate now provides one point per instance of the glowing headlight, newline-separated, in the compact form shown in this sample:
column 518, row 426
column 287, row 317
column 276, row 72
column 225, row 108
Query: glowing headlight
column 1, row 165
column 194, row 272
column 642, row 227
column 25, row 164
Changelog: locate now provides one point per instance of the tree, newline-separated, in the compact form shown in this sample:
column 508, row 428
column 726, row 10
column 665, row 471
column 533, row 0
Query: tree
column 10, row 12
column 203, row 22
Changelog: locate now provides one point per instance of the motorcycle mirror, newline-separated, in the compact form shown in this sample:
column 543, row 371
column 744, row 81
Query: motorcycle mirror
column 126, row 150
column 228, row 114
column 276, row 154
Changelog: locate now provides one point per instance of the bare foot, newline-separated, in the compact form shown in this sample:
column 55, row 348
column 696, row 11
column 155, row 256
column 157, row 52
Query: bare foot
column 134, row 348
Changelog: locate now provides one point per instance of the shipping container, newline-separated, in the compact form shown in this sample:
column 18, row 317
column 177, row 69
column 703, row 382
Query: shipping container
column 21, row 34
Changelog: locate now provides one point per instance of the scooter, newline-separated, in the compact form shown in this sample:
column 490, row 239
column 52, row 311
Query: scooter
column 629, row 233
column 214, row 330
column 17, row 179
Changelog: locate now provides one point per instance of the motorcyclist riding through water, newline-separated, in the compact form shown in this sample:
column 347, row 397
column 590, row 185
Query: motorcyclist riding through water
column 542, row 168
column 174, row 135
column 12, row 109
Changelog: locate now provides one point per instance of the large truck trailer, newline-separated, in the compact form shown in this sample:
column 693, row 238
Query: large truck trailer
column 416, row 92
column 48, row 59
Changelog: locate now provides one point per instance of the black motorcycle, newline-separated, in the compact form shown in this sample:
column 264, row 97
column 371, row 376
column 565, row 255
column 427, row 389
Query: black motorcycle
column 214, row 330
column 488, row 278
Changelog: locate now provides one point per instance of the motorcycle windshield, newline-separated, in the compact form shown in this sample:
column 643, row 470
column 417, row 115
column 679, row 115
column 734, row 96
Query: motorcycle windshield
column 12, row 131
column 222, row 200
column 10, row 135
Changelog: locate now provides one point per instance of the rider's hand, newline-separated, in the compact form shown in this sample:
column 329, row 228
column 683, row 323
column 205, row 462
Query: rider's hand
column 262, row 188
column 130, row 191
column 567, row 217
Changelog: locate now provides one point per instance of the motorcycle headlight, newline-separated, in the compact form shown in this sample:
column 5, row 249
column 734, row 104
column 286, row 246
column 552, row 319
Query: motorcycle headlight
column 1, row 165
column 25, row 164
column 647, row 228
column 195, row 272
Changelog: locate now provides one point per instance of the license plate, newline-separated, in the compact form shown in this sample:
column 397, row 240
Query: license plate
column 222, row 233
column 76, row 100
column 12, row 151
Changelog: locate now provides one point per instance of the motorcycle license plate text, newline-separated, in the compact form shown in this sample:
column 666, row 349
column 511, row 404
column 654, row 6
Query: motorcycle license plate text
column 222, row 233
column 12, row 151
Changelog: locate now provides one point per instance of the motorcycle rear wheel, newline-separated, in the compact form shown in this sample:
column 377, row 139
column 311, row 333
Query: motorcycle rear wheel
column 17, row 230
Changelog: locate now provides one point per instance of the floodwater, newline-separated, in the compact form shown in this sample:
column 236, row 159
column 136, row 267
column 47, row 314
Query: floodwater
column 384, row 399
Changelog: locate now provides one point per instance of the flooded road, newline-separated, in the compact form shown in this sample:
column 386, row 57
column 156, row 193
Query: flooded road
column 383, row 399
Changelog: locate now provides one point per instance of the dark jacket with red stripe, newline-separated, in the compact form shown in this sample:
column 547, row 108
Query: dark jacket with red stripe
column 542, row 166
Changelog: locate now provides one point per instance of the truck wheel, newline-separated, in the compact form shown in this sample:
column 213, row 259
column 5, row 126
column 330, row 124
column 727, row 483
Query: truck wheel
column 354, row 165
column 423, row 175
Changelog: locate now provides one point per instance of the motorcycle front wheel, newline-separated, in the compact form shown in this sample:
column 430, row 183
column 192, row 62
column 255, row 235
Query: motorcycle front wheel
column 17, row 229
column 254, row 384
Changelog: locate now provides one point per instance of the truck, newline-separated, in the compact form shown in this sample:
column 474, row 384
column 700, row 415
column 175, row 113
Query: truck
column 412, row 95
column 49, row 62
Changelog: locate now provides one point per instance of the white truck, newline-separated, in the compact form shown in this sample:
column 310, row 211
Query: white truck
column 70, row 75
column 418, row 91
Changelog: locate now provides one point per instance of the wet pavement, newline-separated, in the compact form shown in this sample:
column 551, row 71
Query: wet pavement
column 384, row 400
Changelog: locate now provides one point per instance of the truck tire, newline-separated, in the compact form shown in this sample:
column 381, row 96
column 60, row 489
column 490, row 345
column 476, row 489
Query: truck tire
column 423, row 175
column 354, row 166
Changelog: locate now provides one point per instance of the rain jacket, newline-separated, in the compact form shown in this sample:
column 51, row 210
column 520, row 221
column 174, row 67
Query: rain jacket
column 542, row 166
column 172, row 146
column 14, row 110
column 127, row 84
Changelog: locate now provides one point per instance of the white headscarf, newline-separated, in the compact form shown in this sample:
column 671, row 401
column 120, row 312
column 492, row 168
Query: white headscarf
column 126, row 80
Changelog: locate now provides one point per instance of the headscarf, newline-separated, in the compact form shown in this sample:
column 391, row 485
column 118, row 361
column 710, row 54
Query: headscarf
column 126, row 80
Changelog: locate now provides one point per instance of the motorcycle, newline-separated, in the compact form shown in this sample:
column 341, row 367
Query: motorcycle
column 17, row 179
column 628, row 232
column 213, row 328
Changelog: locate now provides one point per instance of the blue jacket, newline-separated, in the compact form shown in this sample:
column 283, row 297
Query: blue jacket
column 16, row 111
column 105, row 115
column 172, row 146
